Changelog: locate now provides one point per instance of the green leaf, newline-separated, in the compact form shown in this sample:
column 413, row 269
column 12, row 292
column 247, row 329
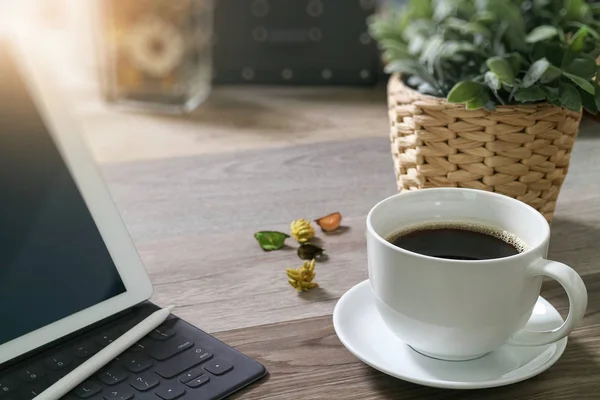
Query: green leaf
column 597, row 97
column 421, row 9
column 514, row 59
column 569, row 97
column 492, row 80
column 588, row 102
column 582, row 83
column 510, row 13
column 409, row 67
column 431, row 50
column 552, row 93
column 416, row 44
column 574, row 8
column 502, row 68
column 578, row 39
column 271, row 240
column 532, row 93
column 480, row 101
column 551, row 74
column 465, row 91
column 535, row 72
column 543, row 32
column 583, row 67
column 484, row 17
column 552, row 51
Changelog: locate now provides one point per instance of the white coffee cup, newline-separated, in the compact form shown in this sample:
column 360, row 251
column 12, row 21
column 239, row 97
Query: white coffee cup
column 460, row 310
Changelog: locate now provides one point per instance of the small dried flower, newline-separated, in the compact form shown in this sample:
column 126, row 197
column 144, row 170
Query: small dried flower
column 301, row 278
column 302, row 230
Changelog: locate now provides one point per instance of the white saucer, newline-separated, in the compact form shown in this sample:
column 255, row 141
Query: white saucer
column 363, row 332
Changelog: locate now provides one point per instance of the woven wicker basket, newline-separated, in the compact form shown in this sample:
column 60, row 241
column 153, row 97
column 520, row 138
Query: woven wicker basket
column 521, row 151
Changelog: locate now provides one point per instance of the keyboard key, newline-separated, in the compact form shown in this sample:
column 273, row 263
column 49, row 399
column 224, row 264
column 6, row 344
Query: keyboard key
column 31, row 373
column 31, row 391
column 136, row 362
column 163, row 350
column 198, row 381
column 161, row 333
column 186, row 360
column 123, row 393
column 106, row 338
column 218, row 367
column 8, row 385
column 59, row 361
column 142, row 345
column 145, row 381
column 191, row 374
column 170, row 391
column 112, row 375
column 87, row 389
column 85, row 350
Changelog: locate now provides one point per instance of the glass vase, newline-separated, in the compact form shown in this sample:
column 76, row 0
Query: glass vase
column 155, row 54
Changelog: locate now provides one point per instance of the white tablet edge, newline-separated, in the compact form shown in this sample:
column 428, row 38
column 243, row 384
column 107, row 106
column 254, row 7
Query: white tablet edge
column 66, row 135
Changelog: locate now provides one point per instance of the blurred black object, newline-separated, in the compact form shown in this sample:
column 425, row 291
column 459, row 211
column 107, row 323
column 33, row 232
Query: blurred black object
column 302, row 42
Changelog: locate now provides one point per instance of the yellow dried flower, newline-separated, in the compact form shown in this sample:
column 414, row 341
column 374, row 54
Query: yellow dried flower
column 302, row 230
column 301, row 278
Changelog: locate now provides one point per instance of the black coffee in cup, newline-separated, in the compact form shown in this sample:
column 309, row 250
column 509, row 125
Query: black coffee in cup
column 458, row 241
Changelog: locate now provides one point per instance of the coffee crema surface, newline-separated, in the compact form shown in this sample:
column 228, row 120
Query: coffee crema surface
column 458, row 241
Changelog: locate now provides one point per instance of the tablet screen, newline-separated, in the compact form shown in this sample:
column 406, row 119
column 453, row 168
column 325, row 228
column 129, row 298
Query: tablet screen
column 53, row 260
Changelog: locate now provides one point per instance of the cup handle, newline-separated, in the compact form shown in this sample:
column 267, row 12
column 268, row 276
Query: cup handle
column 577, row 293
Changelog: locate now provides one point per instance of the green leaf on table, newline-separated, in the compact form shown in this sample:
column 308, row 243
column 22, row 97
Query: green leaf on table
column 532, row 93
column 543, row 32
column 588, row 102
column 551, row 74
column 569, row 97
column 582, row 83
column 271, row 240
column 465, row 91
column 597, row 96
column 502, row 68
column 583, row 67
column 535, row 72
column 479, row 101
column 492, row 80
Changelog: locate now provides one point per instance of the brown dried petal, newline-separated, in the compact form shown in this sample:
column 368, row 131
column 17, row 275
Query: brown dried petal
column 330, row 223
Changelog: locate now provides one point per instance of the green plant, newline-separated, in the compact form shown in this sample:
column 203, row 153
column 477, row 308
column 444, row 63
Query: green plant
column 484, row 53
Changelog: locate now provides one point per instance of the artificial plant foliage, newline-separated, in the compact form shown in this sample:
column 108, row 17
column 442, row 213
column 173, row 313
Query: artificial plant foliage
column 484, row 53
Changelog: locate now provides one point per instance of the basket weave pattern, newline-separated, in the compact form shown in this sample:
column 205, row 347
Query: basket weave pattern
column 522, row 151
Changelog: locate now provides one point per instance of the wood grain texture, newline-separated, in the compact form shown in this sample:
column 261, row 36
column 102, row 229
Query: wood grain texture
column 233, row 119
column 306, row 360
column 193, row 220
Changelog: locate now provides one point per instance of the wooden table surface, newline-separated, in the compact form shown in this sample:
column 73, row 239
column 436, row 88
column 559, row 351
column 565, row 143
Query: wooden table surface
column 193, row 190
